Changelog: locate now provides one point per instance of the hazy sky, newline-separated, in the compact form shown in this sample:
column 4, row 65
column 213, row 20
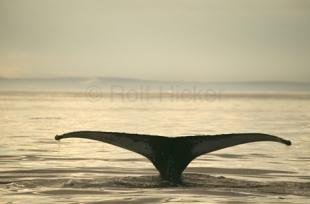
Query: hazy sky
column 192, row 40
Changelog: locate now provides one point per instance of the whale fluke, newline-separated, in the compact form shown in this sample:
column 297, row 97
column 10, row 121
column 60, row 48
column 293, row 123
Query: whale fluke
column 171, row 155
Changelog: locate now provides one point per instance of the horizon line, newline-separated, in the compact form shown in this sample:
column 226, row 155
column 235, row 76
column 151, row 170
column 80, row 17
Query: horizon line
column 151, row 80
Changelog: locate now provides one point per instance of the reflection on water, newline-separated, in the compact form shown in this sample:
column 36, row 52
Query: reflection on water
column 37, row 169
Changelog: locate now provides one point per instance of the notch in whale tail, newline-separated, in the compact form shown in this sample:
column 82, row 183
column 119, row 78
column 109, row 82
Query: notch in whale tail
column 171, row 155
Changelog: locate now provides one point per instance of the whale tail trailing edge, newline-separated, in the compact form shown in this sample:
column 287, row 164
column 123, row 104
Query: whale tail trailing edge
column 171, row 155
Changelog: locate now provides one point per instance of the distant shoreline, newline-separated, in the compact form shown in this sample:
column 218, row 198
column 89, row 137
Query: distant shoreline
column 124, row 85
column 173, row 96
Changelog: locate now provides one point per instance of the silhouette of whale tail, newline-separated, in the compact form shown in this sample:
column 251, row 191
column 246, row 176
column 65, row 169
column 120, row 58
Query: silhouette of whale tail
column 171, row 155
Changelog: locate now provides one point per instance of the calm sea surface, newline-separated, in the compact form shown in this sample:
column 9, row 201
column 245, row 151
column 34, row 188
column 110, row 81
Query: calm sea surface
column 37, row 169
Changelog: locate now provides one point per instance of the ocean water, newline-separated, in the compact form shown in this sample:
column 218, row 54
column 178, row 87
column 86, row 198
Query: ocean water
column 37, row 169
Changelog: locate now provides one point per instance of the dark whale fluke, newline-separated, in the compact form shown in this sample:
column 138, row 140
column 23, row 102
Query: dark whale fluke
column 171, row 155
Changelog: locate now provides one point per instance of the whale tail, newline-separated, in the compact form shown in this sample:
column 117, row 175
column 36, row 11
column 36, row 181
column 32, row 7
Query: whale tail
column 171, row 155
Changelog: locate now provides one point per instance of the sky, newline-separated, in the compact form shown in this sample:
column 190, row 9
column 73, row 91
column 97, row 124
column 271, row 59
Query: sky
column 183, row 40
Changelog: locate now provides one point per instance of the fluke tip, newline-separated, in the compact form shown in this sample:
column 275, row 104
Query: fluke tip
column 57, row 137
column 288, row 142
